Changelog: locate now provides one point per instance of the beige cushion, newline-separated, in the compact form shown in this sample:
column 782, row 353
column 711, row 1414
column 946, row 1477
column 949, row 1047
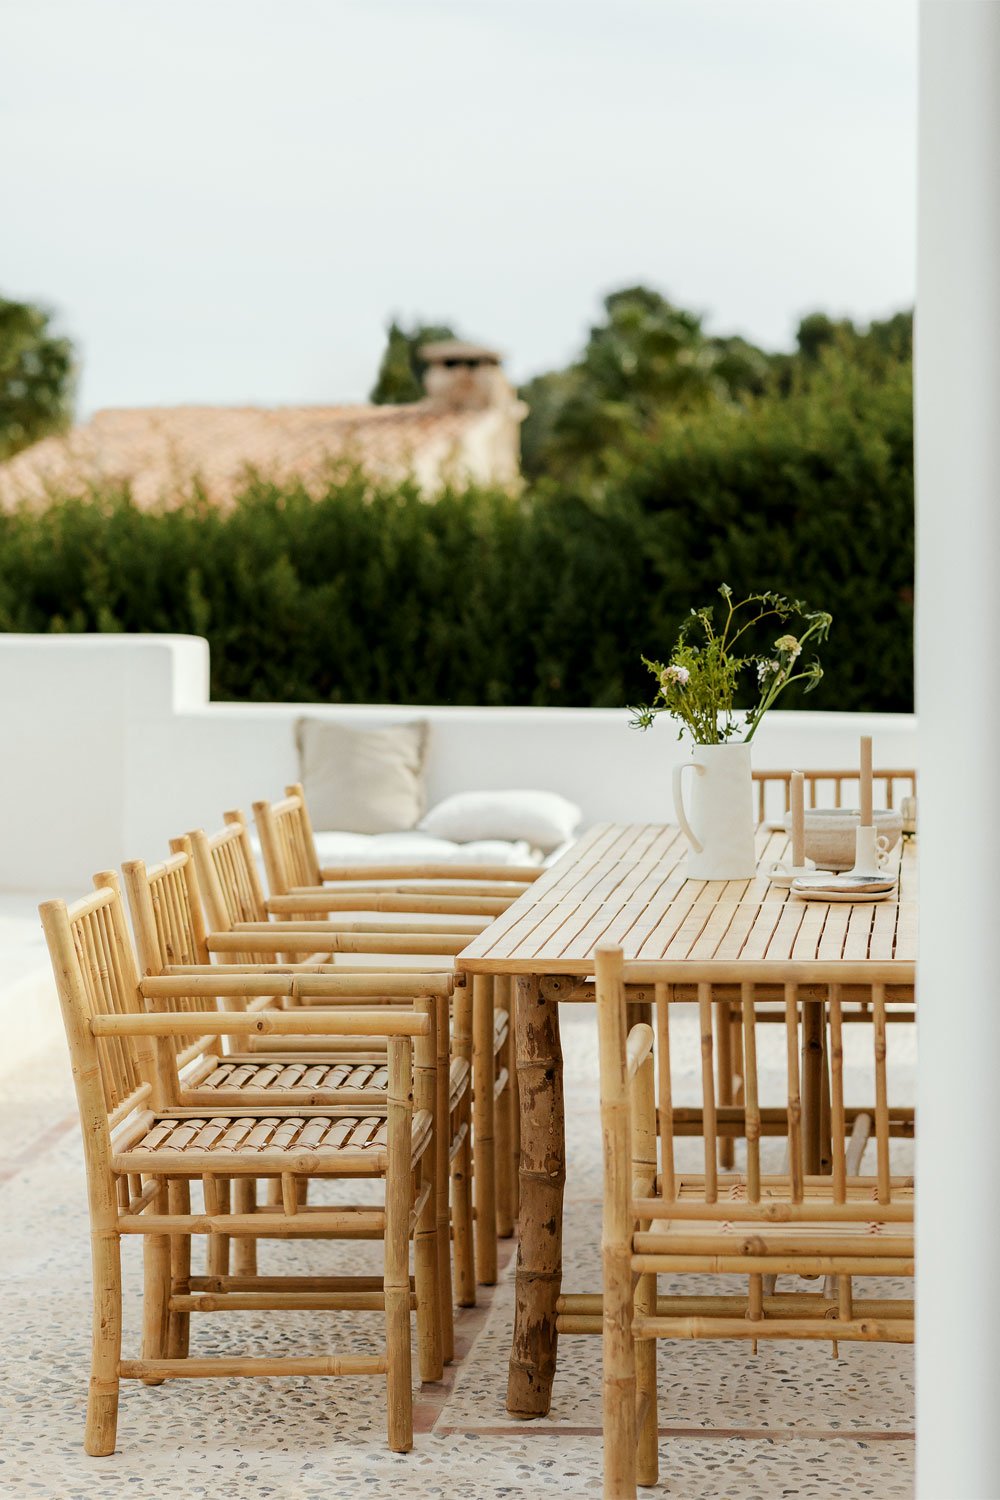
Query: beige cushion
column 362, row 780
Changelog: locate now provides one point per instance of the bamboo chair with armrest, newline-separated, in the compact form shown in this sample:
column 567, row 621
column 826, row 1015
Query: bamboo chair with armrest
column 143, row 1148
column 227, row 879
column 173, row 948
column 290, row 860
column 660, row 1220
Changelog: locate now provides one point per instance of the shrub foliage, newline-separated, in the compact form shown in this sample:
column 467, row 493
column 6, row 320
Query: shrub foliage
column 377, row 595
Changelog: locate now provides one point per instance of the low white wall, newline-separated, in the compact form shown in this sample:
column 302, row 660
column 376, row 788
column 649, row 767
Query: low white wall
column 110, row 745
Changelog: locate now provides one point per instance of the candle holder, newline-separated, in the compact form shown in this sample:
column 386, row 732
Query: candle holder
column 871, row 852
column 783, row 872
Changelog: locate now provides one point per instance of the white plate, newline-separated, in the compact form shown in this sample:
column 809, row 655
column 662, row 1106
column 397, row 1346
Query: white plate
column 804, row 893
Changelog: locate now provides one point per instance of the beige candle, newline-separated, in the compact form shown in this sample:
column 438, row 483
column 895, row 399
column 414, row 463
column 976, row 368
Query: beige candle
column 866, row 781
column 798, row 820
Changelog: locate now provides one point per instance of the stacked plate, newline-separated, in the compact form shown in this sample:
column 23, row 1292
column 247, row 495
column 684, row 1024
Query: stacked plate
column 844, row 887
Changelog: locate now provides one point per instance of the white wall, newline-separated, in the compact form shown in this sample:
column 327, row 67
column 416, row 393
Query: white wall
column 109, row 745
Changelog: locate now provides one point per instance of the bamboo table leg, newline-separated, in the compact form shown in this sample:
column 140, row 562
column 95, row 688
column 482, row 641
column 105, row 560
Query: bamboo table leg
column 542, row 1180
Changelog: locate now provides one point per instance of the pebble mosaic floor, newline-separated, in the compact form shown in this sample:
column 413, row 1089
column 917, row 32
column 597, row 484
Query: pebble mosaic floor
column 788, row 1422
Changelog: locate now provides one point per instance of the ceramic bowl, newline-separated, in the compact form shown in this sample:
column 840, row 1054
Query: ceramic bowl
column 830, row 831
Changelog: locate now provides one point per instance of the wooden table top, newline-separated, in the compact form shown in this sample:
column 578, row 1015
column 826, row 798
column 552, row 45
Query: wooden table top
column 625, row 883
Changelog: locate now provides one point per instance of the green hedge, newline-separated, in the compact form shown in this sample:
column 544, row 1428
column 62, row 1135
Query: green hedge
column 478, row 598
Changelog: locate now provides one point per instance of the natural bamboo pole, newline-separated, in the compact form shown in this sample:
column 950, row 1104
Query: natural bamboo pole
column 543, row 1176
column 724, row 1075
column 465, row 1270
column 156, row 1286
column 198, row 1369
column 619, row 1383
column 643, row 1158
column 503, row 1114
column 484, row 1150
column 434, row 1315
column 397, row 1270
column 708, row 1091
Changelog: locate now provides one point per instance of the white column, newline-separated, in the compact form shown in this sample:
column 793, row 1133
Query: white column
column 958, row 703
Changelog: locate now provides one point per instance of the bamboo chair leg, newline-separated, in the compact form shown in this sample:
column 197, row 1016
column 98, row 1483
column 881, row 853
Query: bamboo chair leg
column 833, row 1286
column 515, row 1121
column 483, row 1145
column 504, row 1157
column 425, row 1275
column 396, row 1250
column 106, row 1348
column 217, row 1202
column 273, row 1192
column 156, row 1290
column 724, row 1066
column 461, row 1191
column 179, row 1323
column 647, row 1466
column 442, row 1178
column 244, row 1248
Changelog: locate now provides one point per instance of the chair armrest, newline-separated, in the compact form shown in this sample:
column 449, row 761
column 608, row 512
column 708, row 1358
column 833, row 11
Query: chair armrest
column 270, row 1023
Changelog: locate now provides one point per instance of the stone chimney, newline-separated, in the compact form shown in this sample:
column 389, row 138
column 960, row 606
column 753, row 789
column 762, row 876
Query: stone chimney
column 465, row 377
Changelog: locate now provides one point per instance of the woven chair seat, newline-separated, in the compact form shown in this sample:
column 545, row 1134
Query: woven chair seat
column 233, row 1143
column 308, row 1080
column 806, row 1234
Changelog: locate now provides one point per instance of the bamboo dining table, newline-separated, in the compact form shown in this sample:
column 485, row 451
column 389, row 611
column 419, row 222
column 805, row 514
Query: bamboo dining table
column 625, row 884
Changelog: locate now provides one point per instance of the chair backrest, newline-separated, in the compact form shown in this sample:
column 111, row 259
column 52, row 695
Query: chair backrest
column 169, row 925
column 96, row 975
column 227, row 875
column 287, row 842
column 781, row 1094
column 827, row 789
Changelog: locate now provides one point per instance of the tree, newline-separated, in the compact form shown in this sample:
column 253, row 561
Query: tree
column 648, row 355
column 36, row 377
column 401, row 371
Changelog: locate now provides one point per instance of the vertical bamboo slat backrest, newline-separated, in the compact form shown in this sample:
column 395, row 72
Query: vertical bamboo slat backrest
column 96, row 975
column 753, row 1119
column 287, row 842
column 828, row 788
column 227, row 874
column 228, row 880
column 170, row 929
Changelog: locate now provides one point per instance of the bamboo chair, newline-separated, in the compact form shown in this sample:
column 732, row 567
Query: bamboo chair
column 826, row 789
column 166, row 907
column 295, row 880
column 227, row 879
column 143, row 1148
column 660, row 1220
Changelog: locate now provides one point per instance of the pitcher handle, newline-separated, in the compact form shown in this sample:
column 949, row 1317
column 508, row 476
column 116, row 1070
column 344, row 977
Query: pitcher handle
column 688, row 831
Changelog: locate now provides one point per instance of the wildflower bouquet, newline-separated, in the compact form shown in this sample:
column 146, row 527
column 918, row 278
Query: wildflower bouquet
column 699, row 684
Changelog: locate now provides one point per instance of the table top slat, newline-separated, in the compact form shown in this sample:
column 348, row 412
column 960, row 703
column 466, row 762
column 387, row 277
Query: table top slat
column 625, row 883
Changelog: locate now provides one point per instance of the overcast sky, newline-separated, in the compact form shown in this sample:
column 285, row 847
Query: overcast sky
column 225, row 200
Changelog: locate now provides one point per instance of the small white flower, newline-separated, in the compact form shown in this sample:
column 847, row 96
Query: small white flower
column 766, row 669
column 789, row 645
column 673, row 674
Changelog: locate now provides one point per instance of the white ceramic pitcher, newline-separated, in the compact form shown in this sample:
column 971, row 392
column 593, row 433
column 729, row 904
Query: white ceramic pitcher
column 719, row 824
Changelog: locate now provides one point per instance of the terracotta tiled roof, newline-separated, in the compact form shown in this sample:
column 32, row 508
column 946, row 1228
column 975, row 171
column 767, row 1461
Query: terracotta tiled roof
column 160, row 450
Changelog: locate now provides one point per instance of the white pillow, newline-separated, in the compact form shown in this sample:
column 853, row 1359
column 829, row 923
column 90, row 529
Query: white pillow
column 362, row 779
column 543, row 818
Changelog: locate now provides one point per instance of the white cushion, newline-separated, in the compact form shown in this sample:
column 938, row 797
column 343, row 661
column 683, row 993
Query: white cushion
column 544, row 819
column 408, row 848
column 364, row 780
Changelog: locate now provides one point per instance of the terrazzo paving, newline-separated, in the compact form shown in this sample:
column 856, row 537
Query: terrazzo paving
column 788, row 1422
